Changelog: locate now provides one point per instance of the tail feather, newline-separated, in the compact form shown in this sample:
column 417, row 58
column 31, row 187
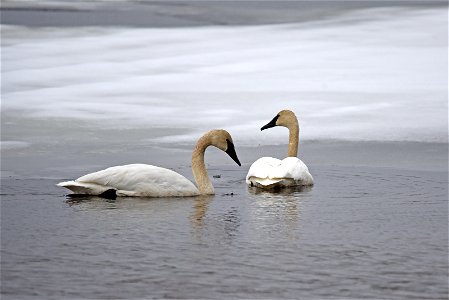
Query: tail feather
column 84, row 188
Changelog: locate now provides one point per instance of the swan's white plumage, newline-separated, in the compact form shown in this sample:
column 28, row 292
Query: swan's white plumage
column 272, row 172
column 139, row 180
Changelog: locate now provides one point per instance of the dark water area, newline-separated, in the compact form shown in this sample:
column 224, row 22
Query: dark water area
column 185, row 13
column 359, row 233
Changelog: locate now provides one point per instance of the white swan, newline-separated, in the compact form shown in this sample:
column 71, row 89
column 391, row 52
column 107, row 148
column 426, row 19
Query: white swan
column 271, row 173
column 140, row 180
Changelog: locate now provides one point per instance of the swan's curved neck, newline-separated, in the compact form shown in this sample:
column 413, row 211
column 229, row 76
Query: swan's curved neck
column 293, row 139
column 199, row 168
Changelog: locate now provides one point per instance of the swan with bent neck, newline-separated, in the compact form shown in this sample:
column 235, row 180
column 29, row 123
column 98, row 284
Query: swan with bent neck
column 141, row 180
column 272, row 173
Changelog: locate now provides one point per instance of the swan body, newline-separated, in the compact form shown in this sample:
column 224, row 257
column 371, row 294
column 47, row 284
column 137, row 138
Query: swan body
column 138, row 180
column 269, row 172
column 272, row 173
column 141, row 180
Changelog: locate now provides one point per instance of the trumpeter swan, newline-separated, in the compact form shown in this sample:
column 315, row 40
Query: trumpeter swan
column 269, row 172
column 140, row 180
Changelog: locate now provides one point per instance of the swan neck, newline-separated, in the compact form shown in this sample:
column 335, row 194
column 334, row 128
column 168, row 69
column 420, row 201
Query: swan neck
column 199, row 167
column 293, row 140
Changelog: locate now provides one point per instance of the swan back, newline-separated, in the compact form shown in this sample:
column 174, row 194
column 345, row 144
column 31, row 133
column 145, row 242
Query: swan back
column 289, row 171
column 135, row 180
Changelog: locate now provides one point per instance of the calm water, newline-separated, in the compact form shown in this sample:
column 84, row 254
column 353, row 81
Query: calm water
column 359, row 233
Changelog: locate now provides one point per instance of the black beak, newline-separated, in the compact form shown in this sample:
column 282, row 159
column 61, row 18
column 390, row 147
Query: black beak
column 231, row 152
column 271, row 124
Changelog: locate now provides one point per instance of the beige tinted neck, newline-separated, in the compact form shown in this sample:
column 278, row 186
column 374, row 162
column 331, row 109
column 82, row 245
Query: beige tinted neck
column 199, row 168
column 293, row 139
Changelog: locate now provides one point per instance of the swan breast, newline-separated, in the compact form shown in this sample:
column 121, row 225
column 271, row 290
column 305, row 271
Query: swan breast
column 268, row 170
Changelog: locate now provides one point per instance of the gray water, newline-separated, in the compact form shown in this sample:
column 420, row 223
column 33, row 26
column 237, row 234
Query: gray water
column 360, row 232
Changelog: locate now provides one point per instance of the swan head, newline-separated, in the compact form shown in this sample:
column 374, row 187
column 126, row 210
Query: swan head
column 222, row 140
column 283, row 118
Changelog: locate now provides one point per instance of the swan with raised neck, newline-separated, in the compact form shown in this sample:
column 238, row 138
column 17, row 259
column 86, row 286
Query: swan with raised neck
column 272, row 173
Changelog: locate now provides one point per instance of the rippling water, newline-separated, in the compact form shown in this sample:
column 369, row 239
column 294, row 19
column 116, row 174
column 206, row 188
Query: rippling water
column 359, row 233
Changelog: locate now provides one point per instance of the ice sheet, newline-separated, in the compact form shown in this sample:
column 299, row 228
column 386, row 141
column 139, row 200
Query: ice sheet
column 378, row 74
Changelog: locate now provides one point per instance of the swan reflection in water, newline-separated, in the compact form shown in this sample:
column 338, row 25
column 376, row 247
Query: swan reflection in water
column 205, row 226
column 223, row 226
column 279, row 210
column 91, row 201
column 271, row 212
column 200, row 207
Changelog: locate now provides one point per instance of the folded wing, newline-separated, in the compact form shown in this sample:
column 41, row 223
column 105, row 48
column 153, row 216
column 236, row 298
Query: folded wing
column 134, row 180
column 269, row 171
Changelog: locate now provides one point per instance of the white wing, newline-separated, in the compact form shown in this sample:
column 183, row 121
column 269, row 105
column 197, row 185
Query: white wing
column 269, row 170
column 262, row 167
column 135, row 180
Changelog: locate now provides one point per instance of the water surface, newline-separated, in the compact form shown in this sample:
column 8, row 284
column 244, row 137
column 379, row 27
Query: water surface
column 358, row 233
